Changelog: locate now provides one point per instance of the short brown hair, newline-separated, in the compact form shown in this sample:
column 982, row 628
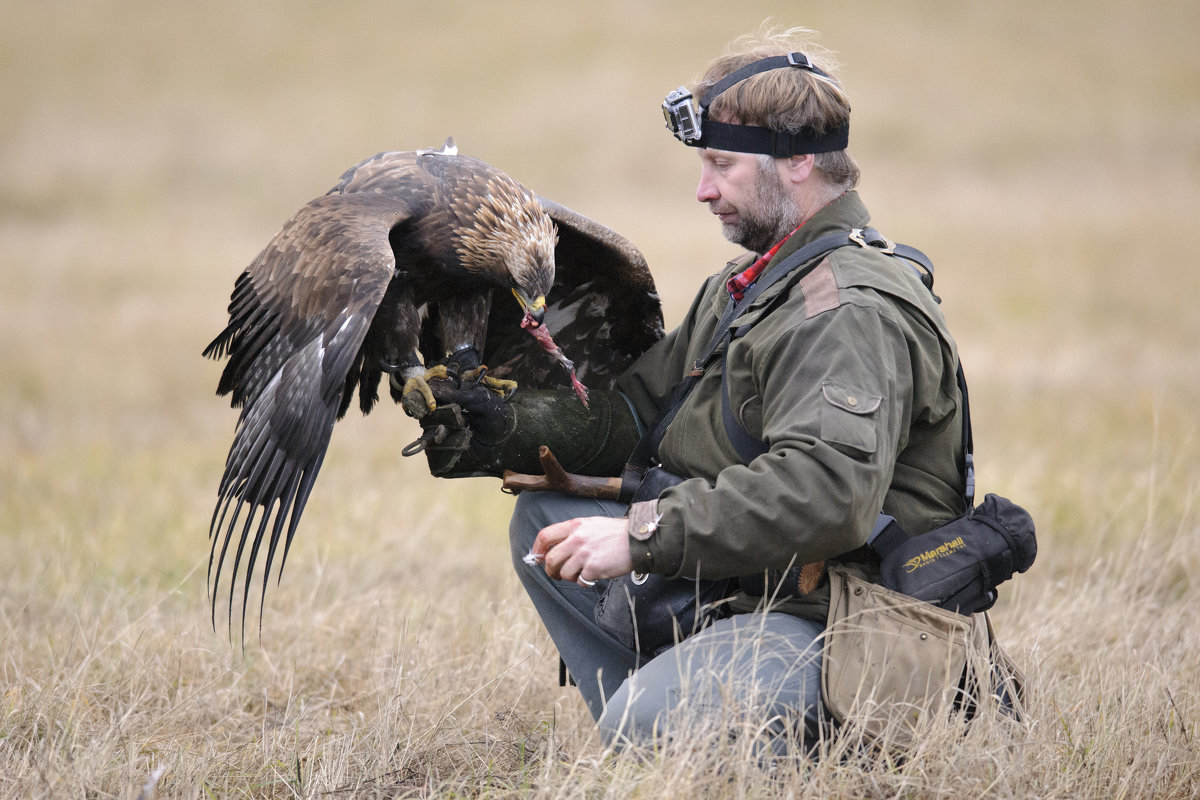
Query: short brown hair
column 786, row 100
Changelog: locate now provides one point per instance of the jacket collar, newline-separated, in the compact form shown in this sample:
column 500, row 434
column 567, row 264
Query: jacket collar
column 841, row 215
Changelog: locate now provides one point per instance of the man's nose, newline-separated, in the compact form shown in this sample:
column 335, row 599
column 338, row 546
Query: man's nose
column 706, row 191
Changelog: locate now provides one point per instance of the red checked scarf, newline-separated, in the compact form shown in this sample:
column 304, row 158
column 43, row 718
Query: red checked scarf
column 738, row 284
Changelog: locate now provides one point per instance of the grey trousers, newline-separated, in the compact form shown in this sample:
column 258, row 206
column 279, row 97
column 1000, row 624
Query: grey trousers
column 758, row 672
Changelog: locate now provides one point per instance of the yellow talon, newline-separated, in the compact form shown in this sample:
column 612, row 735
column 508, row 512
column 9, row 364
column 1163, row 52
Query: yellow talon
column 421, row 386
column 502, row 387
column 436, row 373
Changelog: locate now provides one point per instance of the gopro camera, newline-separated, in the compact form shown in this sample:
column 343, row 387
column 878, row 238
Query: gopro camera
column 683, row 119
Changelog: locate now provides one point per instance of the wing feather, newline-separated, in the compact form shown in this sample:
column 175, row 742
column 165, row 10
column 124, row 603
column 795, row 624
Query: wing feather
column 298, row 316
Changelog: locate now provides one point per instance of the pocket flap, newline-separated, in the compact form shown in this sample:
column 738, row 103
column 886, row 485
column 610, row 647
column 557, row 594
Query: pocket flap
column 852, row 400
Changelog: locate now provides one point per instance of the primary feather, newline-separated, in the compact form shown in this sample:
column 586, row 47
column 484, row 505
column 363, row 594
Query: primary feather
column 395, row 268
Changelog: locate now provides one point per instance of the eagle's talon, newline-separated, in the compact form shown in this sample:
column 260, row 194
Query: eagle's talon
column 479, row 377
column 418, row 385
column 475, row 376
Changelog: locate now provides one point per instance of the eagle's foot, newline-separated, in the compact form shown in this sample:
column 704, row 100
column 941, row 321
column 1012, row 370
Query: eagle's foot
column 438, row 372
column 417, row 391
column 505, row 388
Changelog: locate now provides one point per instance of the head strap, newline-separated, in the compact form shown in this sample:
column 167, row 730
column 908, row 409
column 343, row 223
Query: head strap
column 686, row 120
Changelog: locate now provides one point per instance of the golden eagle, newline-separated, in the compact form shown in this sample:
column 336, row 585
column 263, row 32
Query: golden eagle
column 393, row 271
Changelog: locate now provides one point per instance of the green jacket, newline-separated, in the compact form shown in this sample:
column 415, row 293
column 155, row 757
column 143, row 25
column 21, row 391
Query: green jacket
column 850, row 380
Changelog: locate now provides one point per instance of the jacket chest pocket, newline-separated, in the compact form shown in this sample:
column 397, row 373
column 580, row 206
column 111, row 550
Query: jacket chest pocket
column 848, row 418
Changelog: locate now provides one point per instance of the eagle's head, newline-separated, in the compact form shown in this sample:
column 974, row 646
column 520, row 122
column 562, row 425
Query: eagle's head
column 532, row 272
column 511, row 239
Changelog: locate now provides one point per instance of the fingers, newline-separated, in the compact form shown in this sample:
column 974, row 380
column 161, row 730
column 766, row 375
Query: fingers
column 534, row 561
column 551, row 535
column 585, row 549
column 550, row 546
column 565, row 550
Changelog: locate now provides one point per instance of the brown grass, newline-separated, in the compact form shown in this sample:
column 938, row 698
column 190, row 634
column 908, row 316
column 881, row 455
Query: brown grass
column 1044, row 155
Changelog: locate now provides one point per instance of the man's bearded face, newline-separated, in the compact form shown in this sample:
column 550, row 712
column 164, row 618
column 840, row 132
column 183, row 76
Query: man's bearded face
column 766, row 214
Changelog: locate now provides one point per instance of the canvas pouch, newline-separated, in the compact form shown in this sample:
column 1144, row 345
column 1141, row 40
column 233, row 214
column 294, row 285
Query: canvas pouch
column 892, row 664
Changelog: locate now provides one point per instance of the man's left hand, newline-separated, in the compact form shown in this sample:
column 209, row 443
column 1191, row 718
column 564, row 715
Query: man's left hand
column 586, row 549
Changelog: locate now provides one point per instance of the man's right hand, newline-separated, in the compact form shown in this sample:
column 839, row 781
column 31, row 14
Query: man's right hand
column 585, row 549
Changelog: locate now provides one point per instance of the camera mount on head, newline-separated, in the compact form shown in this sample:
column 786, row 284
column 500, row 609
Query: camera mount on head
column 686, row 119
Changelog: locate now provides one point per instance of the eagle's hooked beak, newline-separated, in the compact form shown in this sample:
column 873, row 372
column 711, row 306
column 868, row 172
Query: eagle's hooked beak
column 535, row 310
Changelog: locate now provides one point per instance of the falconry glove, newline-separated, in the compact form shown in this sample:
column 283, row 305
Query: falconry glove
column 476, row 431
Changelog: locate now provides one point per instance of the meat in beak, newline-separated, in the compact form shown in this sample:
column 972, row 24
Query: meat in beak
column 535, row 310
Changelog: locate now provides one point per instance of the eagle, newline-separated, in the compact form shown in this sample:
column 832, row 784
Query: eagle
column 415, row 263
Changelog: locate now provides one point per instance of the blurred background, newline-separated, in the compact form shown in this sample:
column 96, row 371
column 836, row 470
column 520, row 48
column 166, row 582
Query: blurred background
column 1047, row 156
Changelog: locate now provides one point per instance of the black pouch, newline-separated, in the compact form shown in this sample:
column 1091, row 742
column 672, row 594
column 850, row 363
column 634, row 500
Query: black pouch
column 654, row 482
column 650, row 613
column 959, row 565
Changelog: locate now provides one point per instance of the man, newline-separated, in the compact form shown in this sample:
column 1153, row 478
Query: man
column 846, row 377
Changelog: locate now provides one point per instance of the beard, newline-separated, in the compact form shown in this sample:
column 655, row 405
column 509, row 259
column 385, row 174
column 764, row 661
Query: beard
column 770, row 215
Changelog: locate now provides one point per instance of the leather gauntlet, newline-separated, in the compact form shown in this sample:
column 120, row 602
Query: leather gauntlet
column 474, row 431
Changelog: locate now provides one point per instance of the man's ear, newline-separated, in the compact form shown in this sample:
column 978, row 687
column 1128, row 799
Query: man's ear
column 798, row 168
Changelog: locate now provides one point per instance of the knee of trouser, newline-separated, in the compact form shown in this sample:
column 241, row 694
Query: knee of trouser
column 535, row 510
column 528, row 517
column 634, row 713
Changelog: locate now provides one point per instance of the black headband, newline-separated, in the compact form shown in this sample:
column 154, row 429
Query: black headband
column 686, row 121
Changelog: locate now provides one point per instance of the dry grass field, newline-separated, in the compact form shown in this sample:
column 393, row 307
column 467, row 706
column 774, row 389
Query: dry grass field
column 1047, row 155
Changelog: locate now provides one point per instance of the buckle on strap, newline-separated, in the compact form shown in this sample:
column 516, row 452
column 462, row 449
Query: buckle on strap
column 869, row 237
column 800, row 60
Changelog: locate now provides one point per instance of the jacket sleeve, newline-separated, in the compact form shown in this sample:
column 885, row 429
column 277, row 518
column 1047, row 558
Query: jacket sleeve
column 834, row 393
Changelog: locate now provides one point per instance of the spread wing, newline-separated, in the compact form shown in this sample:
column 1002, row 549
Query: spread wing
column 297, row 320
column 603, row 310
